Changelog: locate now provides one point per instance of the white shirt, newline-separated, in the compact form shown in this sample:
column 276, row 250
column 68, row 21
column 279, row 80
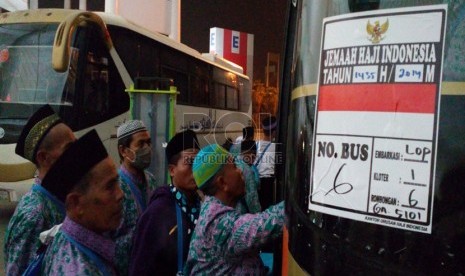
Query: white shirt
column 266, row 163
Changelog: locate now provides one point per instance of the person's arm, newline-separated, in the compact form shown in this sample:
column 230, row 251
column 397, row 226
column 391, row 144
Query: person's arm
column 250, row 231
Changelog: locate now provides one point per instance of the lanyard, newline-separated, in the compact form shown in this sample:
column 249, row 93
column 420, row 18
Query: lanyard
column 96, row 259
column 263, row 153
column 244, row 203
column 180, row 239
column 135, row 191
column 56, row 201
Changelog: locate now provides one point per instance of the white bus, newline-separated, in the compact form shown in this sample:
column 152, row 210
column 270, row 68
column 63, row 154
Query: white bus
column 81, row 63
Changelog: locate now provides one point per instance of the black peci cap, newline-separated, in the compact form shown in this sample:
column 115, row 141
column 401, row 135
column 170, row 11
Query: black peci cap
column 248, row 132
column 74, row 164
column 38, row 125
column 269, row 123
column 247, row 145
column 181, row 141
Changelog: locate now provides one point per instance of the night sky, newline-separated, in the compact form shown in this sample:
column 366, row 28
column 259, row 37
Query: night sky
column 264, row 19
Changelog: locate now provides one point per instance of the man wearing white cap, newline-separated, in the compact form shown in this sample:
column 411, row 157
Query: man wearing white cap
column 135, row 151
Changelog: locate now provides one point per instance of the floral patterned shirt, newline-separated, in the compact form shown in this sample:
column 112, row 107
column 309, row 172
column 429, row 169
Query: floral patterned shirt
column 228, row 243
column 36, row 212
column 76, row 250
column 136, row 192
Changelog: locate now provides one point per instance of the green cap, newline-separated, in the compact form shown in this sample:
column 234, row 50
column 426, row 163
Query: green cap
column 208, row 162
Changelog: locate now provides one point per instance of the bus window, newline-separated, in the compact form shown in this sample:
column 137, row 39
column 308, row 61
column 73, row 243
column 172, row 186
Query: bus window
column 139, row 54
column 27, row 81
column 180, row 81
column 103, row 93
column 199, row 90
column 232, row 98
column 229, row 84
column 199, row 76
column 218, row 97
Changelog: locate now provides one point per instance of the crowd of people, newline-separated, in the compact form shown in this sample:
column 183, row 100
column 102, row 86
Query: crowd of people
column 87, row 216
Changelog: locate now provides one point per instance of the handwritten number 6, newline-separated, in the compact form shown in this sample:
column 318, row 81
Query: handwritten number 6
column 412, row 202
column 337, row 187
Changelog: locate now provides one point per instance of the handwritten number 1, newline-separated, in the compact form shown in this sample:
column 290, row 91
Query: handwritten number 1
column 337, row 188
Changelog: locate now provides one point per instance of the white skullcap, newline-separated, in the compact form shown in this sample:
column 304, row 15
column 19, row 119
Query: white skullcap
column 129, row 128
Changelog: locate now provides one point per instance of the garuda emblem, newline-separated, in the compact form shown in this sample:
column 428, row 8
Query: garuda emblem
column 376, row 31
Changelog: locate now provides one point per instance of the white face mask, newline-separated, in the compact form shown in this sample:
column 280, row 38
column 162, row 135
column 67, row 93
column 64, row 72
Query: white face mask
column 142, row 159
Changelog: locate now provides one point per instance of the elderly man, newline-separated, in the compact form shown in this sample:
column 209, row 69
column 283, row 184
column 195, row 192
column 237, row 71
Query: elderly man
column 224, row 241
column 135, row 151
column 163, row 232
column 86, row 176
column 42, row 140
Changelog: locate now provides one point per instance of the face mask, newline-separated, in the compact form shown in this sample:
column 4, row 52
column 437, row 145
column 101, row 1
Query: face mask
column 142, row 159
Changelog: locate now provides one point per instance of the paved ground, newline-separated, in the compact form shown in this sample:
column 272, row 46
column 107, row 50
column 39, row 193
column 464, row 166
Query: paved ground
column 5, row 214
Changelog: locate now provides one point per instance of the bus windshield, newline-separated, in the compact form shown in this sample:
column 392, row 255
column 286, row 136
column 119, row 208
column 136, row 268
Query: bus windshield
column 27, row 79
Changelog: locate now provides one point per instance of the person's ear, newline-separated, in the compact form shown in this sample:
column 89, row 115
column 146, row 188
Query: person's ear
column 121, row 150
column 41, row 157
column 74, row 204
column 171, row 169
column 222, row 185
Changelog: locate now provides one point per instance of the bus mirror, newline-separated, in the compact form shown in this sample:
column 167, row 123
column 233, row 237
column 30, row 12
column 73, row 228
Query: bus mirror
column 64, row 35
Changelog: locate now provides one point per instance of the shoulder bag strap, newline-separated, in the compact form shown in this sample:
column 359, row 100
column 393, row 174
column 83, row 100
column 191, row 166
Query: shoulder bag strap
column 135, row 191
column 54, row 199
column 96, row 259
column 180, row 239
column 261, row 156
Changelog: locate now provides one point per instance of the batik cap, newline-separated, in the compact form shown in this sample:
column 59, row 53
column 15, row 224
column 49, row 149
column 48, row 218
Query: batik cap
column 129, row 128
column 208, row 162
column 269, row 123
column 181, row 141
column 36, row 128
column 74, row 164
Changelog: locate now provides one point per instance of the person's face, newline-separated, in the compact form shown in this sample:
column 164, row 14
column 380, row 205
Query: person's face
column 100, row 208
column 140, row 140
column 233, row 179
column 57, row 140
column 181, row 173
